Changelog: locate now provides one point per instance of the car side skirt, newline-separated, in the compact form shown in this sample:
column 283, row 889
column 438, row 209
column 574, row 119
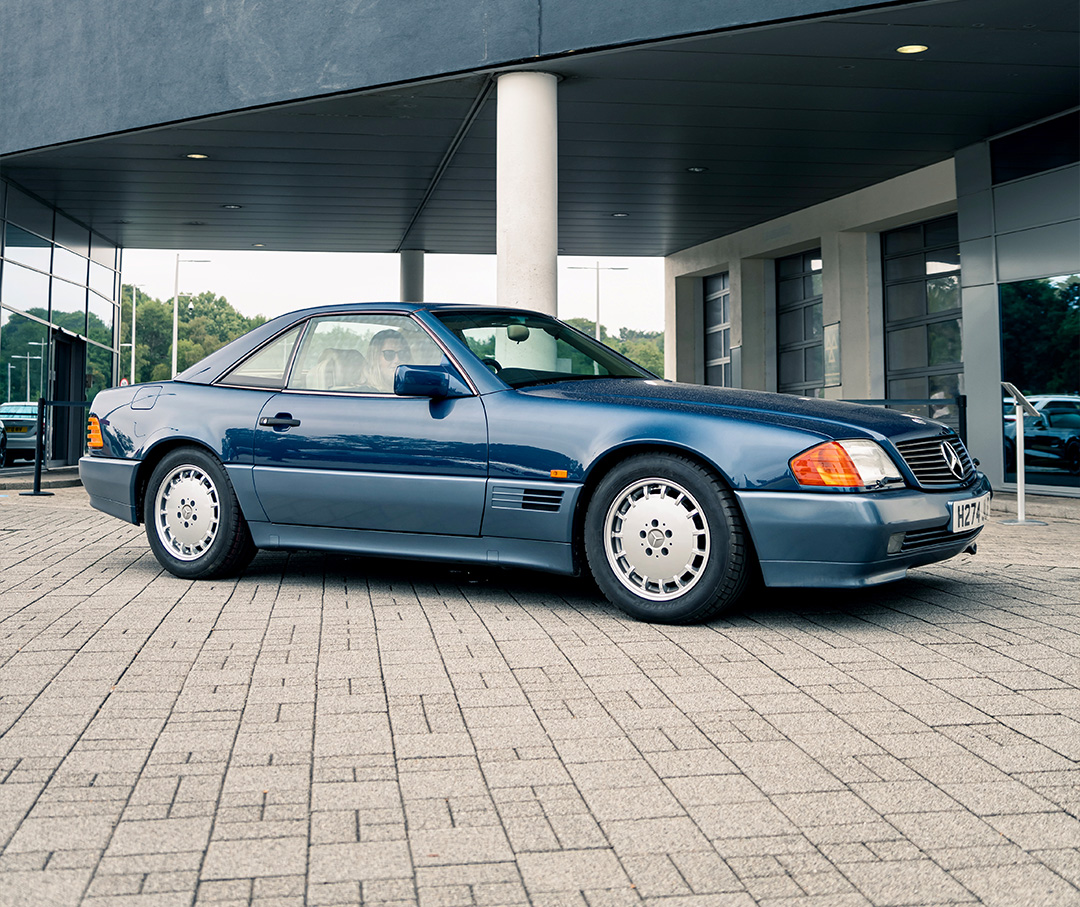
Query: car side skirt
column 550, row 557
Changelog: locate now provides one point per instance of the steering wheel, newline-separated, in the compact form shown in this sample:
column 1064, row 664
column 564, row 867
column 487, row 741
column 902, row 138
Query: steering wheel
column 492, row 364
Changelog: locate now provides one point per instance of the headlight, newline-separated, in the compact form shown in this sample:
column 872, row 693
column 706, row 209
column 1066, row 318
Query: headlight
column 845, row 464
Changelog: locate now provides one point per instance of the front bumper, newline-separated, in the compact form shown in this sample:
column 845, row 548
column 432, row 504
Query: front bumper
column 111, row 486
column 842, row 540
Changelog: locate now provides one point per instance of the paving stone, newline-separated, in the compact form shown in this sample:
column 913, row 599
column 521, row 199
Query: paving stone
column 328, row 731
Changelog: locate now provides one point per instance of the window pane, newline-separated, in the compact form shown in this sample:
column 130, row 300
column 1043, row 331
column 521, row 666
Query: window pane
column 70, row 266
column 942, row 261
column 102, row 251
column 23, row 344
column 25, row 289
column 943, row 387
column 812, row 316
column 714, row 345
column 905, row 300
column 361, row 353
column 29, row 248
column 905, row 268
column 267, row 367
column 99, row 323
column 944, row 340
column 907, row 348
column 69, row 306
column 790, row 292
column 791, row 367
column 102, row 280
column 98, row 370
column 29, row 213
column 72, row 235
column 791, row 325
column 943, row 232
column 906, row 240
column 815, row 364
column 943, row 294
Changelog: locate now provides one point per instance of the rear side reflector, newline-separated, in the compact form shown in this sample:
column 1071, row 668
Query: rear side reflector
column 93, row 434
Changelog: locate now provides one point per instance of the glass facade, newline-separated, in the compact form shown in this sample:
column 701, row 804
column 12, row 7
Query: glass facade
column 923, row 352
column 800, row 332
column 59, row 281
column 718, row 330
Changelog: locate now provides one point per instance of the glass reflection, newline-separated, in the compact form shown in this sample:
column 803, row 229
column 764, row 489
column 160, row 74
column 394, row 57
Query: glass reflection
column 26, row 247
column 24, row 355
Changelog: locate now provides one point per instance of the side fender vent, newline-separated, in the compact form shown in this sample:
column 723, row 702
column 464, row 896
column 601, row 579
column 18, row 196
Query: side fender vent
column 507, row 497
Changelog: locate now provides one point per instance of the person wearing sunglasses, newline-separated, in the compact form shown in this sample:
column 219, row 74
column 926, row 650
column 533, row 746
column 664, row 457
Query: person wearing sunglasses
column 388, row 349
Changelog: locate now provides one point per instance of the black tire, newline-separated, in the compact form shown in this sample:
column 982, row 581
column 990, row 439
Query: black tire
column 4, row 461
column 193, row 520
column 683, row 523
column 1072, row 457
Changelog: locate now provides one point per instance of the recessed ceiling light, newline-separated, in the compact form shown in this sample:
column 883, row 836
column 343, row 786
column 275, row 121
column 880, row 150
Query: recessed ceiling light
column 232, row 207
column 912, row 49
column 620, row 214
column 197, row 156
column 258, row 245
column 697, row 169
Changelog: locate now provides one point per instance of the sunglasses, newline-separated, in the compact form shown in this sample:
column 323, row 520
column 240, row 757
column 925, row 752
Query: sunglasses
column 391, row 355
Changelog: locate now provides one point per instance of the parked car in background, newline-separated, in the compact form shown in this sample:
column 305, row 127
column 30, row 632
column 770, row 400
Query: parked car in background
column 505, row 437
column 3, row 444
column 1051, row 440
column 1071, row 401
column 20, row 421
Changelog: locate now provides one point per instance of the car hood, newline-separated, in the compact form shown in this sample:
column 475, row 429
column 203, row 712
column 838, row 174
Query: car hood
column 828, row 417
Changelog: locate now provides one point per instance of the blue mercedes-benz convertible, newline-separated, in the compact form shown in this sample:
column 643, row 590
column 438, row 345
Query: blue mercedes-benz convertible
column 500, row 436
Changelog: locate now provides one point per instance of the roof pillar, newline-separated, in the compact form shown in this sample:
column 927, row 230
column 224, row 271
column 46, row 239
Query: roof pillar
column 526, row 226
column 411, row 262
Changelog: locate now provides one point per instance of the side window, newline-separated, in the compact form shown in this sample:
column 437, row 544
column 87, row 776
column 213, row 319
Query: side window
column 267, row 367
column 360, row 353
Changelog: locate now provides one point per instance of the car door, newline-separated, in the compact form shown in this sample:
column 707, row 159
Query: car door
column 336, row 448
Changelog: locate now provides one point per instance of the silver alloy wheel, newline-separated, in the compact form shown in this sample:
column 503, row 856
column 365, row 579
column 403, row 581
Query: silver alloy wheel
column 188, row 512
column 657, row 539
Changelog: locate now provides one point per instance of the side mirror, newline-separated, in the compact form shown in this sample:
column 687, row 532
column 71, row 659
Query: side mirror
column 435, row 381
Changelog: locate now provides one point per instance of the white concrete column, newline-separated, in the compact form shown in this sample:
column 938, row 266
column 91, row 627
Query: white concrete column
column 526, row 217
column 412, row 275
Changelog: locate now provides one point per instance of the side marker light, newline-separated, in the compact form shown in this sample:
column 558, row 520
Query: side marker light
column 93, row 434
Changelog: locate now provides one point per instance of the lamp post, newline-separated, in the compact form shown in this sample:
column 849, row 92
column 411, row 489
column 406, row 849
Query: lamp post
column 176, row 305
column 27, row 357
column 134, row 298
column 10, row 366
column 597, row 268
column 41, row 367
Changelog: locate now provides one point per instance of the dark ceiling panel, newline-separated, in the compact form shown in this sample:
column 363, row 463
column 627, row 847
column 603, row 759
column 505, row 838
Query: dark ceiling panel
column 782, row 117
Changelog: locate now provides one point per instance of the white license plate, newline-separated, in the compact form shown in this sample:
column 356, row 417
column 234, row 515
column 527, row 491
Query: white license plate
column 967, row 515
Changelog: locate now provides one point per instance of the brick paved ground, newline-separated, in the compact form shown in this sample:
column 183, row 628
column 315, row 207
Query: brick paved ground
column 340, row 731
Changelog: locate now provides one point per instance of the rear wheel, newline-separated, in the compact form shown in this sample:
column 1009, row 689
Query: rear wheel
column 665, row 540
column 193, row 520
column 1072, row 457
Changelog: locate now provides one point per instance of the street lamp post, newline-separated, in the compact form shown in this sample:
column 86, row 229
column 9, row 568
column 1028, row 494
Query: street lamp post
column 27, row 357
column 134, row 298
column 41, row 367
column 597, row 268
column 176, row 306
column 10, row 366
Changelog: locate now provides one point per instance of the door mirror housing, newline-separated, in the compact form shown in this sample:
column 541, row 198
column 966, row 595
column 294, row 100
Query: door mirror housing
column 436, row 381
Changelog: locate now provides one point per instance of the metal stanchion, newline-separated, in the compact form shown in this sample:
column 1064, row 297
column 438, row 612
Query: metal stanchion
column 1022, row 406
column 39, row 450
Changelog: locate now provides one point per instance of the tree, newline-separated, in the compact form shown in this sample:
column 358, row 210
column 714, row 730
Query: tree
column 1040, row 332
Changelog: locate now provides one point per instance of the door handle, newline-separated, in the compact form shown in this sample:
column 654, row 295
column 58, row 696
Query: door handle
column 281, row 420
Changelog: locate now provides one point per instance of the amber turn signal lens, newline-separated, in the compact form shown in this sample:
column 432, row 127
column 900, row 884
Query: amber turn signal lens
column 827, row 464
column 93, row 434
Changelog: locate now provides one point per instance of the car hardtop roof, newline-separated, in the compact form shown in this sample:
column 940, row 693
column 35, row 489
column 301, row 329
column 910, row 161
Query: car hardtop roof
column 208, row 369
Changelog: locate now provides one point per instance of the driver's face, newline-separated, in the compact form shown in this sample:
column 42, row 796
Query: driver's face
column 390, row 357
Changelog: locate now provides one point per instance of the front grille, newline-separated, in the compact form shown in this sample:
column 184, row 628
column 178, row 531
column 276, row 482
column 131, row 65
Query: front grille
column 939, row 535
column 933, row 462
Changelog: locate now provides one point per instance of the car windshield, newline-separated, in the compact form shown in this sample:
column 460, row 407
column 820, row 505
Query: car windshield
column 531, row 349
column 17, row 411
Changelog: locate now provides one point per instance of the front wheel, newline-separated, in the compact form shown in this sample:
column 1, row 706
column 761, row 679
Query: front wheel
column 193, row 520
column 665, row 540
column 1072, row 457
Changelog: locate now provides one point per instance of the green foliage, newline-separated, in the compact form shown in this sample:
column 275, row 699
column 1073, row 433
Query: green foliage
column 646, row 348
column 206, row 323
column 1040, row 328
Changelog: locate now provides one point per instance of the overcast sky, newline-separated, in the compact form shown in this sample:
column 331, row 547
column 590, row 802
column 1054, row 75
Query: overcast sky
column 271, row 283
